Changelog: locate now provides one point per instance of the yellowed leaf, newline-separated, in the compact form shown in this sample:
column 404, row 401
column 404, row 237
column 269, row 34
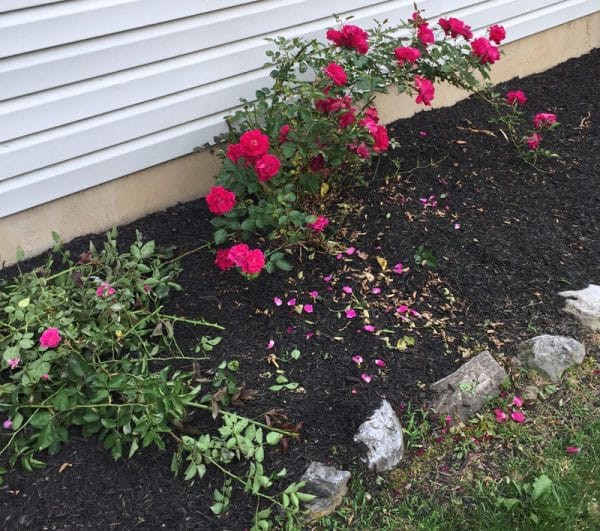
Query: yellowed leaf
column 324, row 189
column 63, row 467
column 383, row 263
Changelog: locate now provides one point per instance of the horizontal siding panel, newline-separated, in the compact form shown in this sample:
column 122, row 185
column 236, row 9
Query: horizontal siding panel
column 56, row 24
column 13, row 5
column 83, row 60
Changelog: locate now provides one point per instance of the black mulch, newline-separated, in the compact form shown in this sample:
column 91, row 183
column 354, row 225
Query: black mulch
column 524, row 235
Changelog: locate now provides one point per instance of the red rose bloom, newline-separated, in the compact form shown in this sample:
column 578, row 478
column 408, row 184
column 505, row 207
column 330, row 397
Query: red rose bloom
column 544, row 119
column 254, row 143
column 266, row 167
column 220, row 200
column 455, row 27
column 485, row 50
column 222, row 261
column 369, row 124
column 425, row 34
column 253, row 262
column 533, row 141
column 516, row 96
column 234, row 152
column 381, row 139
column 336, row 73
column 372, row 114
column 361, row 150
column 237, row 253
column 50, row 338
column 351, row 37
column 319, row 224
column 406, row 54
column 425, row 89
column 283, row 133
column 497, row 33
column 347, row 119
column 317, row 163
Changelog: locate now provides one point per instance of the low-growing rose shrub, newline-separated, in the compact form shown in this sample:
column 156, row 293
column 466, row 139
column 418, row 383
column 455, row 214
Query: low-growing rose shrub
column 317, row 126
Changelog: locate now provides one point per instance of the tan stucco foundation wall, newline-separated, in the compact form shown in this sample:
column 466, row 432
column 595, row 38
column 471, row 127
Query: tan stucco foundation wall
column 183, row 179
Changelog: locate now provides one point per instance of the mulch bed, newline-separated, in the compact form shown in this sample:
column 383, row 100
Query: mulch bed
column 523, row 236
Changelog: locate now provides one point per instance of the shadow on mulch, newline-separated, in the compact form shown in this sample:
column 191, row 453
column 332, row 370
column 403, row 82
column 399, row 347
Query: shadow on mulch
column 522, row 236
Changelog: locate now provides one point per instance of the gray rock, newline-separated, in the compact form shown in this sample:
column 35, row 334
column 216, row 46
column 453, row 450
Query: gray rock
column 382, row 435
column 466, row 390
column 551, row 355
column 584, row 305
column 329, row 485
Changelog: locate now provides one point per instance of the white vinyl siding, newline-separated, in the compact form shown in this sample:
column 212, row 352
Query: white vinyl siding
column 91, row 90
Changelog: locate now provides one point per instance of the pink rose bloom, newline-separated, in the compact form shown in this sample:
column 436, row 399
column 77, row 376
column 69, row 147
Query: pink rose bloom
column 407, row 54
column 351, row 37
column 516, row 97
column 283, row 133
column 254, row 143
column 485, row 50
column 455, row 27
column 319, row 224
column 425, row 34
column 220, row 200
column 500, row 415
column 50, row 338
column 361, row 150
column 105, row 290
column 266, row 167
column 518, row 416
column 336, row 73
column 425, row 90
column 533, row 141
column 517, row 401
column 222, row 261
column 544, row 119
column 234, row 152
column 13, row 363
column 254, row 262
column 237, row 253
column 381, row 139
column 497, row 33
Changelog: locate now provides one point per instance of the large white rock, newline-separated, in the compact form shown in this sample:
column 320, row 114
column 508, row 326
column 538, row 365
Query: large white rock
column 382, row 435
column 584, row 305
column 467, row 390
column 551, row 355
column 329, row 485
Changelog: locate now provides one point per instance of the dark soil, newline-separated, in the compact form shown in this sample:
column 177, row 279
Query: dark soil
column 524, row 235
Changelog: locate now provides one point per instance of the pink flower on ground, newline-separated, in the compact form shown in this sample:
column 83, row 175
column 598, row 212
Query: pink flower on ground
column 327, row 278
column 347, row 289
column 402, row 308
column 357, row 358
column 573, row 449
column 350, row 251
column 7, row 424
column 399, row 268
column 533, row 141
column 457, row 226
column 425, row 90
column 319, row 224
column 497, row 33
column 220, row 200
column 544, row 119
column 516, row 97
column 314, row 294
column 369, row 328
column 376, row 291
column 500, row 415
column 50, row 338
column 105, row 290
column 350, row 313
column 517, row 401
column 291, row 302
column 308, row 308
column 380, row 363
column 365, row 377
column 518, row 416
column 336, row 73
column 277, row 301
column 13, row 363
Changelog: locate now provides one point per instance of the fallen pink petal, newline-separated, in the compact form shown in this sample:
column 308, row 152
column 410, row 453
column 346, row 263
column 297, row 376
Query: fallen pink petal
column 357, row 358
column 308, row 308
column 270, row 344
column 277, row 301
column 518, row 416
column 7, row 424
column 457, row 226
column 339, row 256
column 350, row 313
column 573, row 449
column 376, row 291
column 369, row 328
column 500, row 415
column 327, row 278
column 423, row 133
column 309, row 335
column 366, row 377
column 517, row 401
column 290, row 329
column 291, row 302
column 347, row 289
column 399, row 268
column 350, row 251
column 402, row 308
column 314, row 294
column 13, row 363
column 380, row 363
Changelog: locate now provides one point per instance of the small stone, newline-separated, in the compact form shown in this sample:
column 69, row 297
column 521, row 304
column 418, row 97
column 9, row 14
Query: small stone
column 382, row 435
column 584, row 305
column 467, row 390
column 530, row 394
column 551, row 355
column 329, row 485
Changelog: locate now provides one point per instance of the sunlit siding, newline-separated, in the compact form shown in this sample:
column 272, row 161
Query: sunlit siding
column 91, row 90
